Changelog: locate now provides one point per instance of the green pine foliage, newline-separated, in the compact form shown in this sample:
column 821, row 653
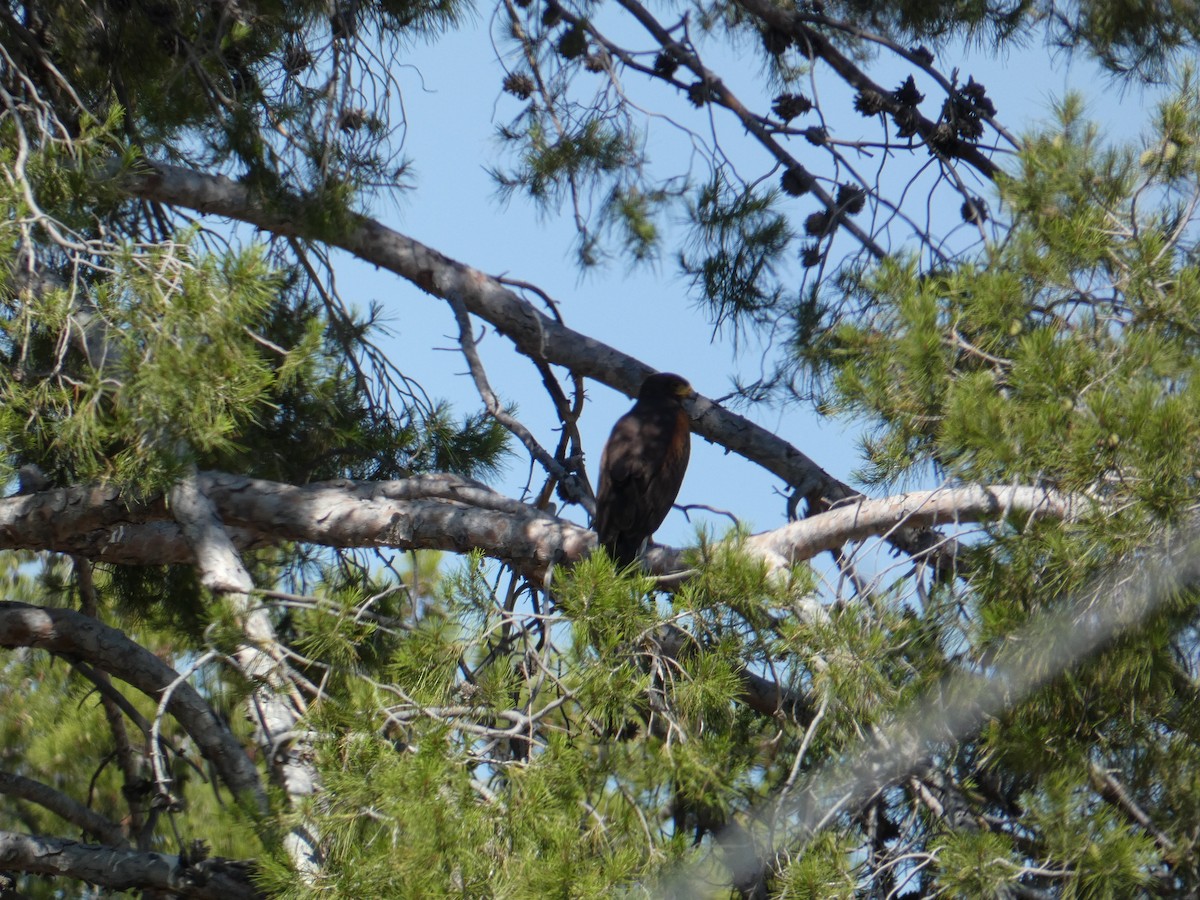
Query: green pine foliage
column 603, row 733
column 1063, row 350
column 54, row 730
column 1063, row 355
column 434, row 786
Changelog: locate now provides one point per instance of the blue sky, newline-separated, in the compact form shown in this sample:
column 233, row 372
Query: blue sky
column 452, row 105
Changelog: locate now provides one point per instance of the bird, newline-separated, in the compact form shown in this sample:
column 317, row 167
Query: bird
column 642, row 467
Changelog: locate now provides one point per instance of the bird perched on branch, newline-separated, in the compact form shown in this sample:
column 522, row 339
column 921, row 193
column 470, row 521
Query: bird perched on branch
column 642, row 467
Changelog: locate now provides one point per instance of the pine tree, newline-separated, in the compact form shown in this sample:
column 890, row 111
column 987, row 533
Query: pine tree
column 268, row 632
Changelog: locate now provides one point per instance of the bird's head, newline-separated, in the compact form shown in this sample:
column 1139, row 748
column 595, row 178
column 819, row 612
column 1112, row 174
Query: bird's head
column 664, row 385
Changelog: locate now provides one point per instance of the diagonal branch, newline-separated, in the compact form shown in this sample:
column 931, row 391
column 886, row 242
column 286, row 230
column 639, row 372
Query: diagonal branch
column 275, row 708
column 863, row 518
column 1114, row 792
column 209, row 879
column 536, row 335
column 65, row 631
column 68, row 808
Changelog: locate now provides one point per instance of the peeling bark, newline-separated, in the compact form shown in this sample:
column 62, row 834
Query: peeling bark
column 455, row 514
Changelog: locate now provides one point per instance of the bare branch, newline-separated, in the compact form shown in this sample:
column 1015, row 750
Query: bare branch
column 60, row 804
column 221, row 571
column 448, row 512
column 425, row 512
column 557, row 471
column 65, row 631
column 863, row 518
column 210, row 879
column 276, row 705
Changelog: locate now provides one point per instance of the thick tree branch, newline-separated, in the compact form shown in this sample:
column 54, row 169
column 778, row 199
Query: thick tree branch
column 68, row 808
column 210, row 879
column 116, row 706
column 275, row 708
column 425, row 512
column 451, row 513
column 862, row 518
column 221, row 570
column 67, row 632
column 536, row 335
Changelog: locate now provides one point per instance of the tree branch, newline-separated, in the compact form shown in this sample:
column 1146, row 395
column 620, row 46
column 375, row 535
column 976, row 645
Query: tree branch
column 1108, row 787
column 721, row 94
column 116, row 706
column 554, row 468
column 455, row 514
column 275, row 708
column 68, row 808
column 862, row 518
column 536, row 335
column 65, row 631
column 210, row 879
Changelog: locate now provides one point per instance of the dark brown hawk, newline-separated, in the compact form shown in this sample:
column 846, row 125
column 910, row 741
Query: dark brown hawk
column 642, row 467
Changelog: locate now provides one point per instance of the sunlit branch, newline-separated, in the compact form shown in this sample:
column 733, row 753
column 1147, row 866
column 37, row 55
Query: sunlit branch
column 277, row 705
column 448, row 512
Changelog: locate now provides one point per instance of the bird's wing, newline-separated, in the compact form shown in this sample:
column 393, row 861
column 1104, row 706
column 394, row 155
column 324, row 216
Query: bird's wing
column 638, row 484
column 624, row 473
